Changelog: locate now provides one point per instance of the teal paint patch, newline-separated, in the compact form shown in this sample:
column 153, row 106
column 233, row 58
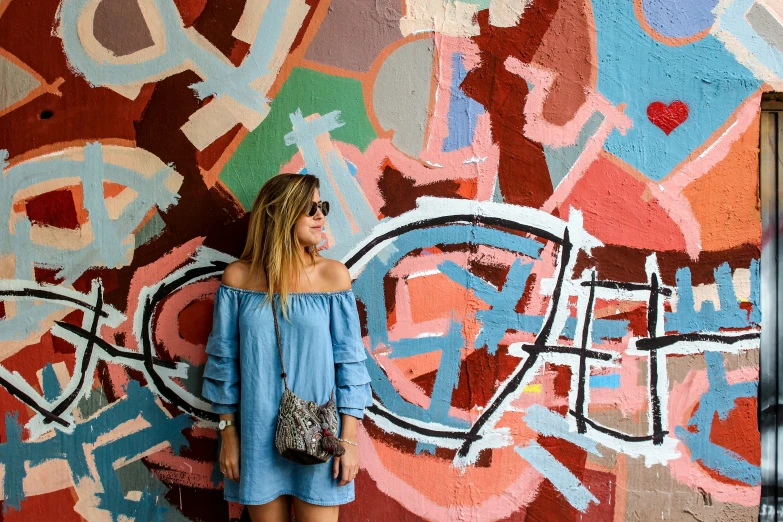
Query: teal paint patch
column 561, row 159
column 50, row 385
column 150, row 230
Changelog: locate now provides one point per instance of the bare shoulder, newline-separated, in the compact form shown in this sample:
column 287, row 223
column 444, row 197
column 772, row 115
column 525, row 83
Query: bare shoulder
column 237, row 274
column 335, row 275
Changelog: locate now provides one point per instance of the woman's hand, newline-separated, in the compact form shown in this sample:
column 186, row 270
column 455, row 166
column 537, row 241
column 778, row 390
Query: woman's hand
column 347, row 466
column 229, row 453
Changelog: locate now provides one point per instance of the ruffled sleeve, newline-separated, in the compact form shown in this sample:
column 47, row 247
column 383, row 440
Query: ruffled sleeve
column 353, row 382
column 221, row 373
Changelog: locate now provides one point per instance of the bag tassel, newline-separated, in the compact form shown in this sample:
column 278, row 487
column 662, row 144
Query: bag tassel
column 330, row 444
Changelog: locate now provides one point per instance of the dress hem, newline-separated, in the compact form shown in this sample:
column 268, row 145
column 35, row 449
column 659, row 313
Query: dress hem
column 300, row 497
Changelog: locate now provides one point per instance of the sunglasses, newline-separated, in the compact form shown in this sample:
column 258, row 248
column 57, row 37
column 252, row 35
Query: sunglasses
column 323, row 205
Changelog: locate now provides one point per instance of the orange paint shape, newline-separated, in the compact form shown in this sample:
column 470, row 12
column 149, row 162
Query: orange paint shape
column 435, row 297
column 725, row 200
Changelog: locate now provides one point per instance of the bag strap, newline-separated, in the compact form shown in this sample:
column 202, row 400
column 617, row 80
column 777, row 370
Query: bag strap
column 277, row 334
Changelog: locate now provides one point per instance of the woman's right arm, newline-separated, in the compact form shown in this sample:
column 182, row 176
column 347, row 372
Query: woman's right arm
column 221, row 374
column 229, row 448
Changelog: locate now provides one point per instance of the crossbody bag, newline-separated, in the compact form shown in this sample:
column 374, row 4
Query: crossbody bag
column 306, row 432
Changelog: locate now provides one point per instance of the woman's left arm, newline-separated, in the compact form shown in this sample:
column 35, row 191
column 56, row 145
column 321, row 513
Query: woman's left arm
column 347, row 466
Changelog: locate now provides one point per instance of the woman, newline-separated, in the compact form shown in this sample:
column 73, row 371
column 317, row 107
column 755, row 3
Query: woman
column 322, row 348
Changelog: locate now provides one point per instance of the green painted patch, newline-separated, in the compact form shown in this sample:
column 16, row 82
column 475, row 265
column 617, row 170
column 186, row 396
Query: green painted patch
column 263, row 151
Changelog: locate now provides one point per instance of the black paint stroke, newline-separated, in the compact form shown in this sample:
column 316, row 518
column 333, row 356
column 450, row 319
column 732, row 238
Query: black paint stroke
column 580, row 392
column 664, row 341
column 460, row 435
column 652, row 326
column 447, row 220
column 616, row 285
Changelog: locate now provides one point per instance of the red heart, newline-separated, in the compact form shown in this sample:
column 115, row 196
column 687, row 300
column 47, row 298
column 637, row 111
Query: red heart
column 667, row 117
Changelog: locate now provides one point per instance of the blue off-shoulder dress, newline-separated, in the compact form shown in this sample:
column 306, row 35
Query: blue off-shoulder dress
column 323, row 351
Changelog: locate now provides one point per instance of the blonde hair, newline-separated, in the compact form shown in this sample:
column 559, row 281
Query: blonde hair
column 272, row 246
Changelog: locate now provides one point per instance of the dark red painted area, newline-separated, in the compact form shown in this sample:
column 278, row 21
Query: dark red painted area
column 479, row 374
column 81, row 112
column 562, row 378
column 522, row 172
column 54, row 209
column 192, row 324
column 216, row 22
column 190, row 10
column 400, row 192
column 619, row 263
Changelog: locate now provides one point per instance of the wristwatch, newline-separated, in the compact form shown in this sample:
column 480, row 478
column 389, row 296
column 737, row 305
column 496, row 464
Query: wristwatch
column 223, row 424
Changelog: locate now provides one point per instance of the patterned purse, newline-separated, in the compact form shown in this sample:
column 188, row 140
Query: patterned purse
column 305, row 431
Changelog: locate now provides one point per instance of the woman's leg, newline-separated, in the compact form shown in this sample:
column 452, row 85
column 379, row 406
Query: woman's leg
column 278, row 510
column 306, row 512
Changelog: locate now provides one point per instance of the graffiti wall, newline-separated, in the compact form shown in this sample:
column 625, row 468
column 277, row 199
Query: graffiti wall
column 549, row 208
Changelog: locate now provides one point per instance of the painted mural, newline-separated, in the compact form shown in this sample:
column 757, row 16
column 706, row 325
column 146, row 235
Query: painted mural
column 549, row 208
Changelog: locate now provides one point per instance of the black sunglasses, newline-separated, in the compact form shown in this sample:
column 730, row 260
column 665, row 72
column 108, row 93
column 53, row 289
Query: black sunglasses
column 323, row 205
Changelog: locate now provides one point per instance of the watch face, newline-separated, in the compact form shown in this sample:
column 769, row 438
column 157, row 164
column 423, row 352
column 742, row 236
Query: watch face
column 221, row 424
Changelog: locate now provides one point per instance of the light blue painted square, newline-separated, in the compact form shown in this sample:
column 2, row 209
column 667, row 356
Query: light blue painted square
column 611, row 381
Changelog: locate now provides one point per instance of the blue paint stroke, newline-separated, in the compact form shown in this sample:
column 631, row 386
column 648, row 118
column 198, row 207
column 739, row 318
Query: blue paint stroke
column 423, row 447
column 611, row 381
column 637, row 70
column 503, row 316
column 755, row 293
column 17, row 455
column 687, row 320
column 603, row 329
column 351, row 168
column 719, row 399
column 678, row 19
column 463, row 110
column 561, row 477
column 550, row 424
column 107, row 240
column 447, row 378
column 304, row 136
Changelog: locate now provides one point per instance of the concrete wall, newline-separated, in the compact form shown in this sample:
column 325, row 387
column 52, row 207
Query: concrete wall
column 550, row 209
